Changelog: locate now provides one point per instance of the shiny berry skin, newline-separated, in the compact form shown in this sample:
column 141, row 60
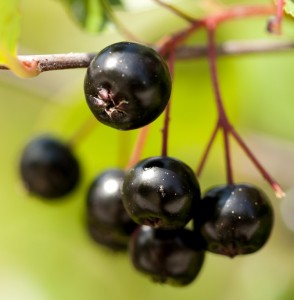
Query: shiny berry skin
column 236, row 219
column 167, row 256
column 108, row 219
column 161, row 192
column 48, row 168
column 127, row 85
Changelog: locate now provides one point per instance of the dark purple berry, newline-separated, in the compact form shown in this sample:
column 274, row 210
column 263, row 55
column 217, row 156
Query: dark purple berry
column 236, row 219
column 161, row 192
column 48, row 168
column 109, row 222
column 105, row 237
column 167, row 256
column 127, row 85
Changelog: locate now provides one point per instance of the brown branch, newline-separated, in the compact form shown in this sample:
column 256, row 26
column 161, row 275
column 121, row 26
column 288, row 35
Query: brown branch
column 52, row 62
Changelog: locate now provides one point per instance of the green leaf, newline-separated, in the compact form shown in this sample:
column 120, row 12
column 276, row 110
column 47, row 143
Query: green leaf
column 9, row 28
column 289, row 7
column 92, row 15
column 9, row 34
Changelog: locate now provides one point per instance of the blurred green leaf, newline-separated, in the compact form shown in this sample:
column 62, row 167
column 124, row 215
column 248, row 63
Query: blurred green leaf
column 9, row 34
column 289, row 7
column 92, row 15
column 9, row 28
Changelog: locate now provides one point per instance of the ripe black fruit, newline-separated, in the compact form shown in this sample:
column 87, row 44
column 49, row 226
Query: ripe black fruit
column 109, row 222
column 127, row 85
column 161, row 192
column 168, row 256
column 48, row 168
column 236, row 219
column 110, row 239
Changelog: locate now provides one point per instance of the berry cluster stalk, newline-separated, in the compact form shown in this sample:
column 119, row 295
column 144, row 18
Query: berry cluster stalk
column 224, row 124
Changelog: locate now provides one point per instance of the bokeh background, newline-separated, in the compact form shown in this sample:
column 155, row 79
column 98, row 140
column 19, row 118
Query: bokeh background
column 45, row 252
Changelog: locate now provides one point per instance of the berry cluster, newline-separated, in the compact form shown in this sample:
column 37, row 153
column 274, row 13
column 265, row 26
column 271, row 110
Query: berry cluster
column 154, row 209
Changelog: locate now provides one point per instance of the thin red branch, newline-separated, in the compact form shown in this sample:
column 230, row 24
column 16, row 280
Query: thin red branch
column 276, row 187
column 229, row 172
column 224, row 123
column 275, row 22
column 241, row 11
column 138, row 148
column 222, row 116
column 207, row 150
column 165, row 130
column 81, row 133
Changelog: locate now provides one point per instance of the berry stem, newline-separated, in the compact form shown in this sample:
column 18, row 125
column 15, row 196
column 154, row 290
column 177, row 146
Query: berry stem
column 165, row 130
column 229, row 172
column 222, row 117
column 280, row 10
column 224, row 123
column 206, row 151
column 138, row 148
column 82, row 132
column 274, row 24
column 276, row 187
column 241, row 11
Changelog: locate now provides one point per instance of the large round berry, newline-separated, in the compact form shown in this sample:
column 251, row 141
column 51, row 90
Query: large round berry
column 161, row 192
column 48, row 168
column 127, row 85
column 106, row 214
column 167, row 256
column 236, row 219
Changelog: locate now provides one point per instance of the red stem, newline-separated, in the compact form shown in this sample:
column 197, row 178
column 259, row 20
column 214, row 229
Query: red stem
column 229, row 172
column 82, row 132
column 207, row 150
column 235, row 12
column 280, row 10
column 241, row 11
column 276, row 187
column 165, row 130
column 224, row 123
column 222, row 117
column 138, row 148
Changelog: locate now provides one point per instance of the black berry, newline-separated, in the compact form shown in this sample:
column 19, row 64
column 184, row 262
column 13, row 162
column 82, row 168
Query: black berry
column 127, row 85
column 236, row 219
column 161, row 192
column 108, row 220
column 167, row 256
column 48, row 168
column 105, row 237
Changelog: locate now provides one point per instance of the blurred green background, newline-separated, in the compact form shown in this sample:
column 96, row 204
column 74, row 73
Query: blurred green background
column 45, row 252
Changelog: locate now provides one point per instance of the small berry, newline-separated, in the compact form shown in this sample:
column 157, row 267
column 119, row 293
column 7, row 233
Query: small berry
column 48, row 168
column 161, row 192
column 236, row 219
column 108, row 238
column 105, row 210
column 167, row 256
column 127, row 85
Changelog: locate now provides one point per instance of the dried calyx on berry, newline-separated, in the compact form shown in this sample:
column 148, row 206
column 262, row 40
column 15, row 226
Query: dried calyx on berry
column 127, row 85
